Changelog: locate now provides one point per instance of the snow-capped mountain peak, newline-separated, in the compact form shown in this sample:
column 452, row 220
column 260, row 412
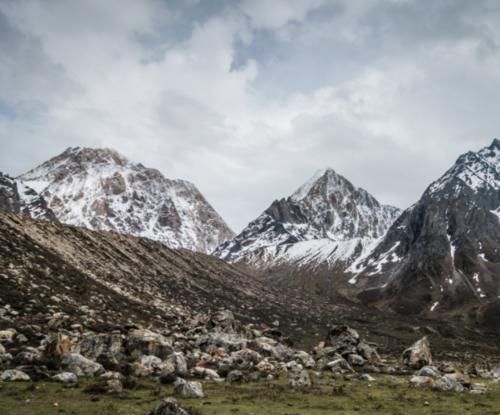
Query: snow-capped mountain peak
column 101, row 189
column 340, row 218
column 445, row 249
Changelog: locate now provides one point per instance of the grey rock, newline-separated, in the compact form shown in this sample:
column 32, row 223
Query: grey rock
column 187, row 389
column 13, row 375
column 168, row 406
column 81, row 366
column 418, row 355
column 235, row 376
column 65, row 377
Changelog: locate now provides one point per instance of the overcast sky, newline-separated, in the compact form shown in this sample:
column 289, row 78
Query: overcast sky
column 247, row 99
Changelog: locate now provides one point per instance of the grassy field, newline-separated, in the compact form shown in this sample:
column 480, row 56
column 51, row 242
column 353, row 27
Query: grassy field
column 387, row 395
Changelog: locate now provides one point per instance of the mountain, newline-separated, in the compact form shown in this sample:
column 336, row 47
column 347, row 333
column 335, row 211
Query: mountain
column 443, row 252
column 61, row 278
column 15, row 197
column 101, row 189
column 327, row 223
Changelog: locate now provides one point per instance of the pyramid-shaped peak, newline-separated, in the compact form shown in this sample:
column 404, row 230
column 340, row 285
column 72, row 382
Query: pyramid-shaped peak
column 327, row 178
column 495, row 144
column 90, row 154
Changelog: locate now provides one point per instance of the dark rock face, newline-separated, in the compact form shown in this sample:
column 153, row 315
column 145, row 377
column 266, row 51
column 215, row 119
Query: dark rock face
column 15, row 197
column 444, row 252
column 9, row 196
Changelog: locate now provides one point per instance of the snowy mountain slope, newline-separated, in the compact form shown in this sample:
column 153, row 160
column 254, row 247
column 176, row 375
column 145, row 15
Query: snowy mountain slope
column 100, row 189
column 15, row 197
column 444, row 251
column 326, row 221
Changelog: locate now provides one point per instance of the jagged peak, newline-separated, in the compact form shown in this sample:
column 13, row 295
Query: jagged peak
column 94, row 154
column 326, row 174
column 495, row 144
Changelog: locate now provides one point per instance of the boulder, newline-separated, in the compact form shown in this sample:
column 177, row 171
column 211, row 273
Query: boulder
column 106, row 349
column 57, row 348
column 235, row 376
column 343, row 339
column 212, row 341
column 448, row 383
column 148, row 365
column 14, row 375
column 429, row 371
column 205, row 373
column 7, row 336
column 244, row 359
column 355, row 360
column 28, row 356
column 265, row 366
column 65, row 377
column 421, row 381
column 168, row 373
column 305, row 359
column 418, row 355
column 81, row 366
column 187, row 389
column 340, row 366
column 368, row 353
column 299, row 378
column 178, row 361
column 168, row 406
column 146, row 342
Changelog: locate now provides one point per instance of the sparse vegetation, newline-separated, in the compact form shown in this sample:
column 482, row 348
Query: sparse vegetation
column 387, row 395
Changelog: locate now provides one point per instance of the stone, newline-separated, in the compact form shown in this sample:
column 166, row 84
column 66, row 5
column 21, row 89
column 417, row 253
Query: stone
column 14, row 375
column 205, row 373
column 65, row 377
column 429, row 371
column 57, row 348
column 305, row 359
column 421, row 381
column 168, row 373
column 478, row 389
column 146, row 342
column 148, row 365
column 343, row 339
column 235, row 376
column 107, row 349
column 265, row 366
column 366, row 377
column 168, row 406
column 7, row 336
column 178, row 360
column 356, row 360
column 418, row 355
column 81, row 366
column 340, row 366
column 299, row 379
column 28, row 356
column 369, row 353
column 448, row 383
column 187, row 389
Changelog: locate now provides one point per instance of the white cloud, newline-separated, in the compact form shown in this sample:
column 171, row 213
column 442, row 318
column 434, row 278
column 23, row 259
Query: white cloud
column 388, row 116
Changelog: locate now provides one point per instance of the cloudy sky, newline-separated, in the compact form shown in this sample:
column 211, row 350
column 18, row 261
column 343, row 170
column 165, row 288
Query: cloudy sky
column 247, row 98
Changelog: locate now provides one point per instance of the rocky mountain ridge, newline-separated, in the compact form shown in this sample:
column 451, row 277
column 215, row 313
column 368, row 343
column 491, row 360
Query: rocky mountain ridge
column 101, row 189
column 15, row 197
column 327, row 220
column 445, row 249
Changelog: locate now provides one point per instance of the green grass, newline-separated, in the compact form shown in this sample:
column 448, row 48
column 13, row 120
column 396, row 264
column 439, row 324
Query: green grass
column 388, row 395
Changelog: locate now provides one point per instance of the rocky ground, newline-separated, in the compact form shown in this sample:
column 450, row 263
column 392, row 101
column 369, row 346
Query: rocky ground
column 102, row 317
